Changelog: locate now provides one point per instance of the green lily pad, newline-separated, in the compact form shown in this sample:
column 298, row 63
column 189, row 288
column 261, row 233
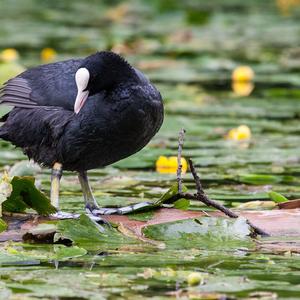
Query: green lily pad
column 85, row 233
column 26, row 195
column 276, row 197
column 64, row 253
column 3, row 225
column 201, row 233
column 172, row 191
column 183, row 204
column 259, row 179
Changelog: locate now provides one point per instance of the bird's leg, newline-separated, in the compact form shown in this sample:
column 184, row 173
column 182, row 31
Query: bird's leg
column 55, row 183
column 90, row 203
column 93, row 208
column 54, row 192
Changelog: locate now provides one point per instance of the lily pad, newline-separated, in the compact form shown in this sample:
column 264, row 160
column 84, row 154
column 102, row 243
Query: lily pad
column 3, row 225
column 172, row 191
column 64, row 253
column 201, row 233
column 26, row 195
column 276, row 197
column 85, row 233
column 142, row 216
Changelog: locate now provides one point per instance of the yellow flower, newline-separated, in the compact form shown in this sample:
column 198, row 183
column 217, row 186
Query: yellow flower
column 48, row 54
column 242, row 88
column 168, row 165
column 9, row 55
column 287, row 6
column 242, row 73
column 242, row 132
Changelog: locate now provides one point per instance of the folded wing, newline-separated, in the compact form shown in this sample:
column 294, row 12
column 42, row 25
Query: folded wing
column 16, row 92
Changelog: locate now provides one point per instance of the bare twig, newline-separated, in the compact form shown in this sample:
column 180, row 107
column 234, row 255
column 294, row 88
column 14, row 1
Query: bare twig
column 257, row 230
column 196, row 178
column 200, row 195
column 203, row 197
column 179, row 168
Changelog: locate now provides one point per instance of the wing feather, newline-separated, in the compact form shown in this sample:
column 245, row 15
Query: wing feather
column 16, row 92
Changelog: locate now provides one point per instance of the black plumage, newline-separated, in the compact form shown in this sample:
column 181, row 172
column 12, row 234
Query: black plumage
column 120, row 116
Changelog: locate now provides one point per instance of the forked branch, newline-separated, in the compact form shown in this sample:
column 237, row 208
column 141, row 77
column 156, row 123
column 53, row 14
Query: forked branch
column 201, row 195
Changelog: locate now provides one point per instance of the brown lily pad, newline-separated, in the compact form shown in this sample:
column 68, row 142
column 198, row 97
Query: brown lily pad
column 289, row 204
column 279, row 223
column 274, row 222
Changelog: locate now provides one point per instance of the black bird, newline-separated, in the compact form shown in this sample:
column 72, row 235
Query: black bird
column 81, row 114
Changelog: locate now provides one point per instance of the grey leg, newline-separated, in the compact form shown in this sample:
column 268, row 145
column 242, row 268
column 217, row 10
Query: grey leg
column 92, row 206
column 90, row 203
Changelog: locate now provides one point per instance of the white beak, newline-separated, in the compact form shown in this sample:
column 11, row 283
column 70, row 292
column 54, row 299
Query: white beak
column 80, row 100
column 82, row 77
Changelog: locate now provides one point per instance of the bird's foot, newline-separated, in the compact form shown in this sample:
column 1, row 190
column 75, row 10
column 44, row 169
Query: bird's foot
column 61, row 215
column 96, row 218
column 120, row 210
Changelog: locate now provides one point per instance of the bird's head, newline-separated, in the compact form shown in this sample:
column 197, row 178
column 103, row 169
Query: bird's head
column 101, row 71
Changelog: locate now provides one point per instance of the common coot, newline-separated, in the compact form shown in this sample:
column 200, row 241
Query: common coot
column 81, row 114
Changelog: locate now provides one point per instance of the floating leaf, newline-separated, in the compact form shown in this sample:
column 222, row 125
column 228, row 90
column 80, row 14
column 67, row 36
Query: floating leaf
column 259, row 179
column 63, row 253
column 26, row 195
column 141, row 216
column 3, row 225
column 86, row 233
column 200, row 233
column 172, row 191
column 182, row 204
column 276, row 197
column 289, row 204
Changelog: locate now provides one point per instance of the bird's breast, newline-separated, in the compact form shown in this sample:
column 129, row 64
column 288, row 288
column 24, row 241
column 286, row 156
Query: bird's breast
column 107, row 131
